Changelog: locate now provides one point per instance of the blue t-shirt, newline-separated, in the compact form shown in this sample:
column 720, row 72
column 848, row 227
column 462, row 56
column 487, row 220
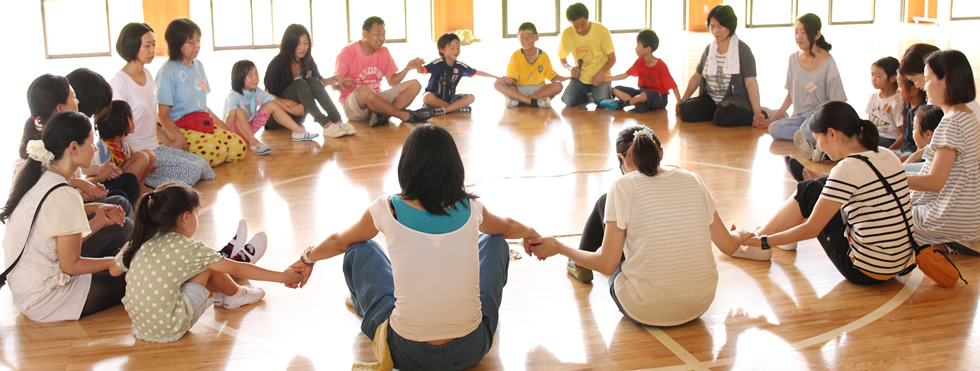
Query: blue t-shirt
column 184, row 89
column 444, row 78
column 250, row 101
column 426, row 222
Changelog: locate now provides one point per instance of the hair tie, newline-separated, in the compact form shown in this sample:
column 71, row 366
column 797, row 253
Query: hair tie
column 37, row 152
column 38, row 123
column 643, row 132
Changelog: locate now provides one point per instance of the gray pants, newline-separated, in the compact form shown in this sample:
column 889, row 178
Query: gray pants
column 308, row 92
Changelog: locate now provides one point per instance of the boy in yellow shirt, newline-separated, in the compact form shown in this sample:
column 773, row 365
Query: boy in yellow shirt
column 590, row 44
column 529, row 67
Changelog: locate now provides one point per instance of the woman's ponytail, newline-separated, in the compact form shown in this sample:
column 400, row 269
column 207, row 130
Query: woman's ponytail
column 869, row 135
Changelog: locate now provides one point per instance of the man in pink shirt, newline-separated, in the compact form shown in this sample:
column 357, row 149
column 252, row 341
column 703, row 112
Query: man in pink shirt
column 360, row 67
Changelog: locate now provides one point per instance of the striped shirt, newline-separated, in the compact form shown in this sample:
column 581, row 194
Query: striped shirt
column 719, row 82
column 669, row 275
column 875, row 226
column 952, row 213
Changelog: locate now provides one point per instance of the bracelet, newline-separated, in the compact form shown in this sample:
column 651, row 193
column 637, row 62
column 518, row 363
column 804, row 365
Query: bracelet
column 305, row 256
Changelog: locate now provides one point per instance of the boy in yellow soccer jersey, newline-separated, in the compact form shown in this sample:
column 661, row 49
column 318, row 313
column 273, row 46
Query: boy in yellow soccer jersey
column 591, row 48
column 529, row 67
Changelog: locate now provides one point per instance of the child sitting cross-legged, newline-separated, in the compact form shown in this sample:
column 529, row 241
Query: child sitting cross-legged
column 113, row 125
column 653, row 77
column 170, row 276
column 446, row 72
column 527, row 72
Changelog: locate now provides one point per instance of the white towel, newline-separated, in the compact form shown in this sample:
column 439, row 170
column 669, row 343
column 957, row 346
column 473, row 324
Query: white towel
column 732, row 66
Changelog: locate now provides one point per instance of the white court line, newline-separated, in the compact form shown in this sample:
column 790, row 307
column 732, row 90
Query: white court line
column 679, row 351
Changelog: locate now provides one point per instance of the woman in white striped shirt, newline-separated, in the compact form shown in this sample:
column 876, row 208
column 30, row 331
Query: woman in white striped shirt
column 863, row 225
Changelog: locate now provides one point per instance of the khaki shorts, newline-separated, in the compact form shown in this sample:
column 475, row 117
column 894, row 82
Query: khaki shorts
column 357, row 111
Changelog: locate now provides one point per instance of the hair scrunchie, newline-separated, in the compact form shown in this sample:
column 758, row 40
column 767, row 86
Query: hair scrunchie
column 645, row 132
column 37, row 152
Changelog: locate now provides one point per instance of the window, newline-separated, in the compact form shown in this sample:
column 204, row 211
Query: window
column 257, row 23
column 76, row 28
column 540, row 12
column 770, row 13
column 393, row 12
column 549, row 16
column 964, row 9
column 851, row 11
column 624, row 15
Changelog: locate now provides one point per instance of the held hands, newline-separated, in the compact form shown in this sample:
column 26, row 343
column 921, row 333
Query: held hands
column 544, row 247
column 305, row 272
column 91, row 192
column 107, row 215
column 415, row 64
column 297, row 110
column 294, row 277
column 342, row 83
column 108, row 170
column 757, row 119
column 506, row 80
column 599, row 78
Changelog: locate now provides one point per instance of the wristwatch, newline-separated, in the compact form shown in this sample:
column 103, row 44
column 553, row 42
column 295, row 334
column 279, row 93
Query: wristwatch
column 765, row 242
column 305, row 256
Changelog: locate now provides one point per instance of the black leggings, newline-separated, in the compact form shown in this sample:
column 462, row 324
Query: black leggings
column 595, row 228
column 731, row 111
column 308, row 92
column 106, row 292
column 126, row 185
column 833, row 237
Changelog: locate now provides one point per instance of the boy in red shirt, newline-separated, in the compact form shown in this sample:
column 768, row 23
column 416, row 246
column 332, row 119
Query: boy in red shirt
column 654, row 79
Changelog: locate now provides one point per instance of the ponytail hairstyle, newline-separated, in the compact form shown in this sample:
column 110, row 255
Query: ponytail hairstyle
column 811, row 24
column 63, row 129
column 929, row 117
column 430, row 170
column 92, row 91
column 639, row 144
column 43, row 97
column 841, row 116
column 159, row 211
column 114, row 121
column 890, row 66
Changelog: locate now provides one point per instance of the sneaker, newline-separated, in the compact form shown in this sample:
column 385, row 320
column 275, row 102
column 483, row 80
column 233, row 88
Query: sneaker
column 544, row 103
column 807, row 149
column 511, row 103
column 753, row 253
column 347, row 126
column 246, row 295
column 794, row 167
column 610, row 104
column 420, row 115
column 237, row 242
column 769, row 113
column 253, row 250
column 219, row 299
column 261, row 149
column 466, row 109
column 378, row 120
column 582, row 274
column 438, row 111
column 304, row 136
column 334, row 131
column 641, row 108
column 787, row 247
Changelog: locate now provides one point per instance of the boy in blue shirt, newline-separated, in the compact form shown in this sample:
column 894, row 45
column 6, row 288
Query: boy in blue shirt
column 446, row 72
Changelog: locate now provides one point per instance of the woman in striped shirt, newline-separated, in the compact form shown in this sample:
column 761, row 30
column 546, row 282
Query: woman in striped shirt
column 858, row 220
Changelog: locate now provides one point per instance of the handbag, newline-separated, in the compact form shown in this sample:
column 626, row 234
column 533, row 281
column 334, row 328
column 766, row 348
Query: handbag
column 197, row 121
column 933, row 263
column 3, row 277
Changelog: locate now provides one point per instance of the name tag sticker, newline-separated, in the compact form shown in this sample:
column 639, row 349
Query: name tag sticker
column 810, row 87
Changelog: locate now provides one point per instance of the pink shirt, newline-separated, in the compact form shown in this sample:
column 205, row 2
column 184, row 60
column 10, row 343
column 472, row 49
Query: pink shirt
column 363, row 69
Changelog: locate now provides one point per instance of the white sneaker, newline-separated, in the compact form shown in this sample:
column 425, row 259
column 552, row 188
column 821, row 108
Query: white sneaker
column 544, row 103
column 334, row 131
column 347, row 126
column 253, row 249
column 304, row 136
column 511, row 103
column 219, row 299
column 788, row 247
column 247, row 295
column 753, row 253
column 261, row 149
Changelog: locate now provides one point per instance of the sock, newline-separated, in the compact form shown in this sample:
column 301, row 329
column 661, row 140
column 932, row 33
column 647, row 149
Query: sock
column 239, row 293
column 534, row 103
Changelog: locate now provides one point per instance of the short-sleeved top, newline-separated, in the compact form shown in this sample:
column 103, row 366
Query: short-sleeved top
column 436, row 276
column 735, row 87
column 669, row 275
column 525, row 72
column 103, row 153
column 810, row 89
column 908, row 127
column 875, row 224
column 184, row 89
column 278, row 77
column 951, row 214
column 40, row 289
column 887, row 123
column 592, row 48
column 443, row 78
column 656, row 77
column 248, row 100
column 143, row 102
column 153, row 298
column 363, row 69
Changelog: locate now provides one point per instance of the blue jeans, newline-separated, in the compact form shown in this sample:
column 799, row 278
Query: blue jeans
column 785, row 128
column 577, row 93
column 612, row 291
column 372, row 291
column 914, row 168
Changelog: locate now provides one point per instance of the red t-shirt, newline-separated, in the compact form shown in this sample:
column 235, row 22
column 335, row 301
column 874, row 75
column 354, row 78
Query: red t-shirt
column 656, row 78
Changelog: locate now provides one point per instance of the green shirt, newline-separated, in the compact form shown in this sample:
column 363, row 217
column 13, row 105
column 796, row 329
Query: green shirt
column 153, row 298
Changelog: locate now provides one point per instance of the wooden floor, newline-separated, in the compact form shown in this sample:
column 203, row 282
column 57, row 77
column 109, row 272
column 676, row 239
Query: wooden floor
column 545, row 167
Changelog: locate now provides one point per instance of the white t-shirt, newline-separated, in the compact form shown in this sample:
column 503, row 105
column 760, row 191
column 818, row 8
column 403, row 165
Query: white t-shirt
column 950, row 215
column 143, row 101
column 886, row 122
column 41, row 290
column 669, row 275
column 436, row 276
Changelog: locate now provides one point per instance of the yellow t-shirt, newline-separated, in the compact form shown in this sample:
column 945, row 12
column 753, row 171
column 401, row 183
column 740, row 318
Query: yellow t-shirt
column 593, row 49
column 527, row 73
